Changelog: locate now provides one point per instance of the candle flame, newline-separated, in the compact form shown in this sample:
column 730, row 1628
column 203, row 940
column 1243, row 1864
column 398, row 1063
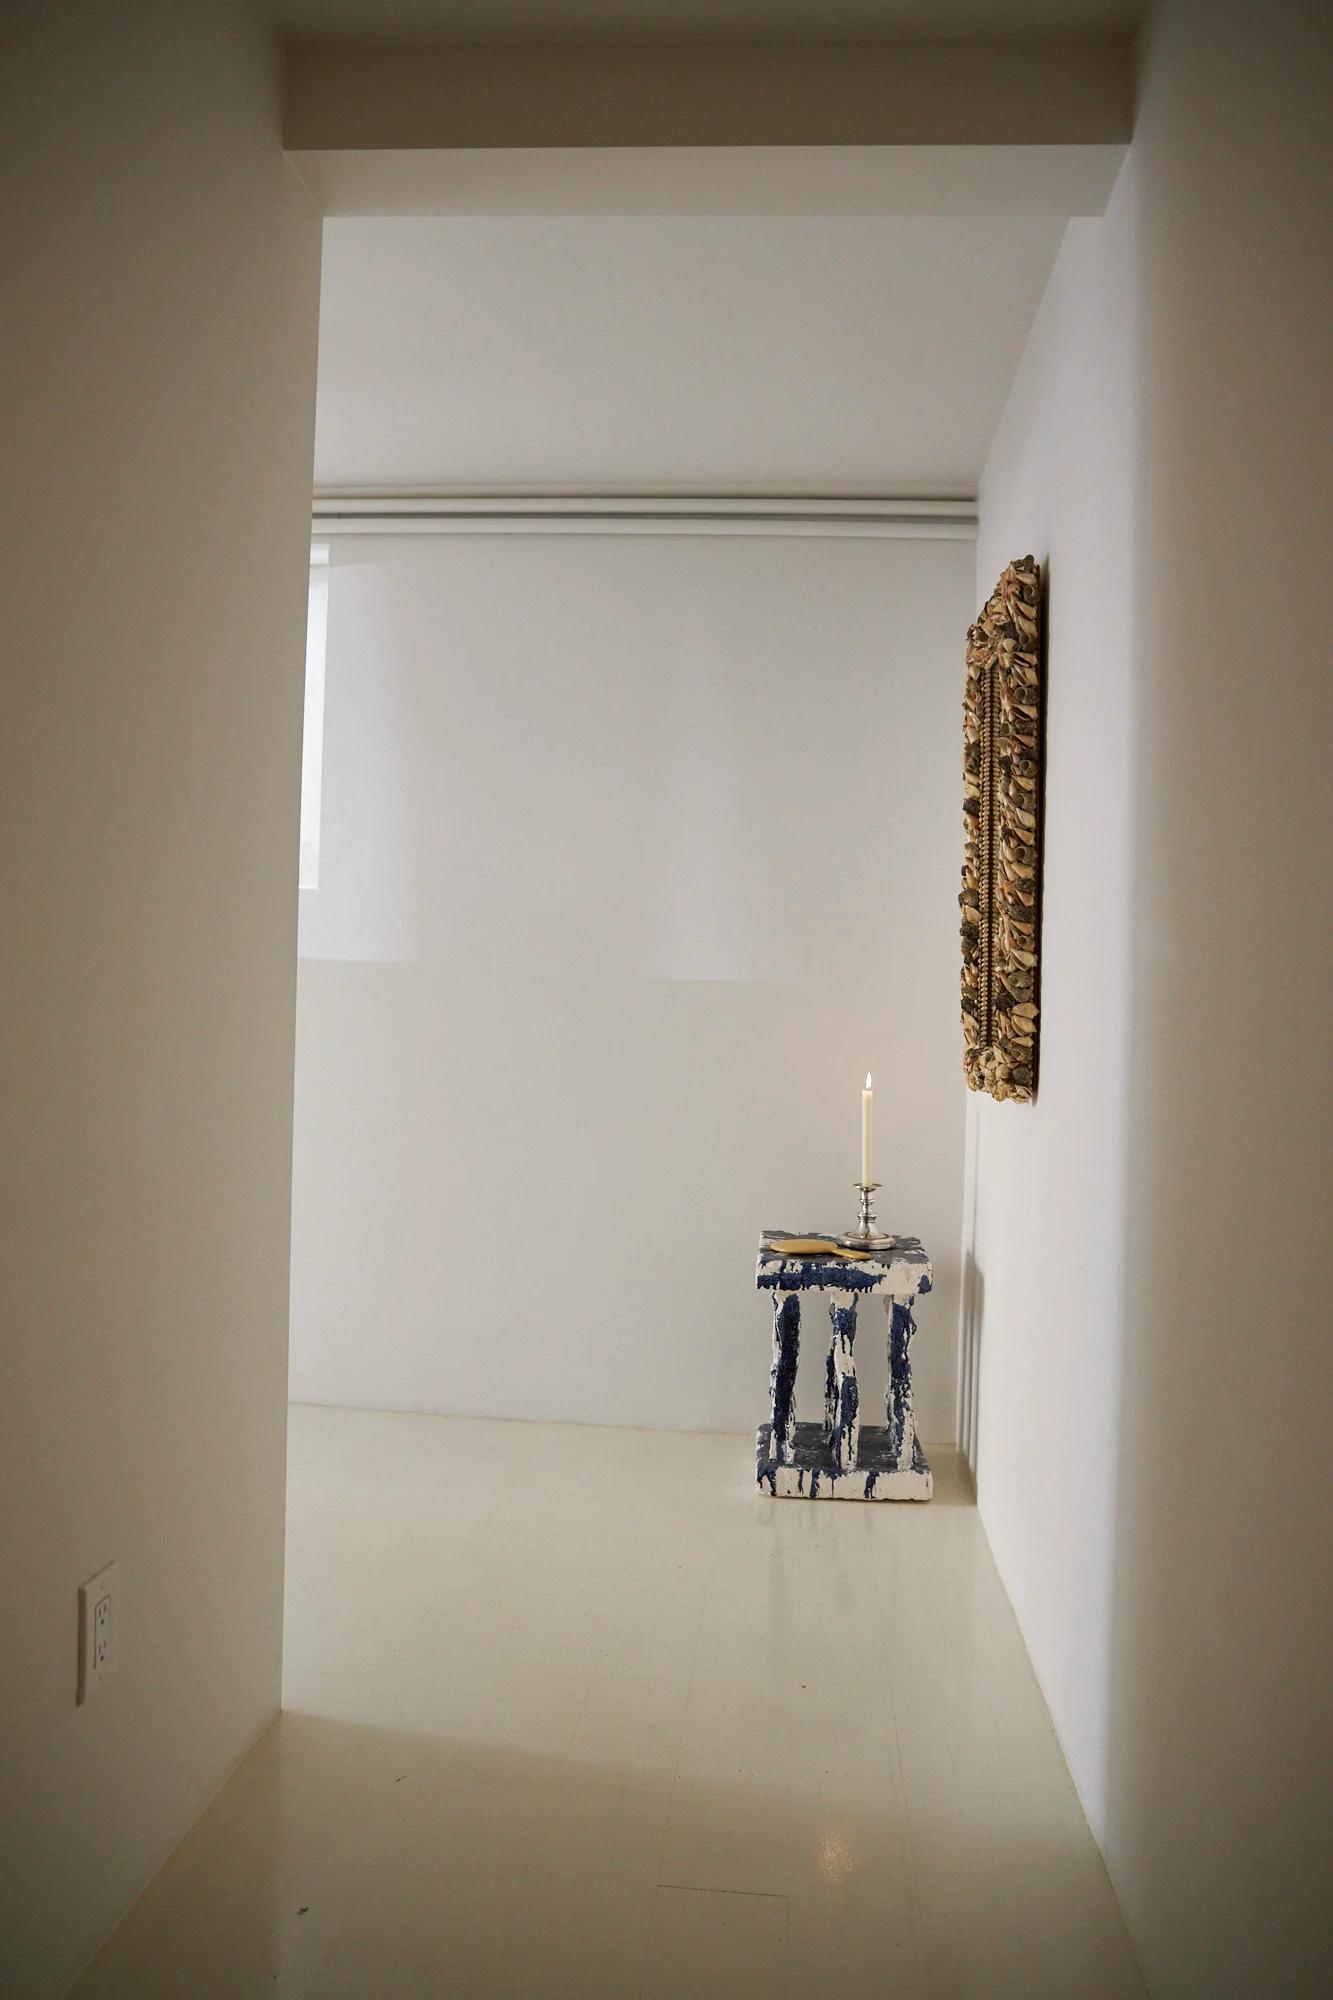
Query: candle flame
column 869, row 1085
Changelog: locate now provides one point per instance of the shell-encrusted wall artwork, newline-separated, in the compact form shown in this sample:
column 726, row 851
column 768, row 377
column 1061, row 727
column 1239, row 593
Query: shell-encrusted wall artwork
column 1002, row 777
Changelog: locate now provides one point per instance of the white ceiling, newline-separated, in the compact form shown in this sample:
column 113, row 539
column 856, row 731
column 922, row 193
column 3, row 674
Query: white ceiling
column 704, row 20
column 650, row 352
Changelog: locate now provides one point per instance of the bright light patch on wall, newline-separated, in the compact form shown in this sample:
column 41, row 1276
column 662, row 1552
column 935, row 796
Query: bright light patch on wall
column 312, row 742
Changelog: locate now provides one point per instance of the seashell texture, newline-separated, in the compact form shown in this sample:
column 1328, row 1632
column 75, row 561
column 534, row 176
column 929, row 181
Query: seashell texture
column 1002, row 782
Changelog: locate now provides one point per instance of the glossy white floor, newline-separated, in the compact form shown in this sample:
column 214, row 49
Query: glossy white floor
column 573, row 1712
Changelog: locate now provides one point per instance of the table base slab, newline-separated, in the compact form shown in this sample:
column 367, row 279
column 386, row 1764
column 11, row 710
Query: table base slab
column 813, row 1475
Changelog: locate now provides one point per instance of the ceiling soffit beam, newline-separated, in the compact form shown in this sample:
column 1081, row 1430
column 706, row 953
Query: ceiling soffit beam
column 715, row 180
column 354, row 97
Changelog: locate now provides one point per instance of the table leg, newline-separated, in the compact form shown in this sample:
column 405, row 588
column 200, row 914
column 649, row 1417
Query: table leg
column 842, row 1421
column 898, row 1401
column 782, row 1377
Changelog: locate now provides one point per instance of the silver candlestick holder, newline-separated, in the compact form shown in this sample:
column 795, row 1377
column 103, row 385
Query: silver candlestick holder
column 866, row 1235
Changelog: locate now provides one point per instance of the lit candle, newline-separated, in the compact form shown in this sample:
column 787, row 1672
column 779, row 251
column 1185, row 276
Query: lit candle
column 867, row 1133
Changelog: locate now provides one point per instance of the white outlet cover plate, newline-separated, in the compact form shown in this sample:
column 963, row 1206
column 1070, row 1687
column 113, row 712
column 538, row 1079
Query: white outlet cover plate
column 97, row 1637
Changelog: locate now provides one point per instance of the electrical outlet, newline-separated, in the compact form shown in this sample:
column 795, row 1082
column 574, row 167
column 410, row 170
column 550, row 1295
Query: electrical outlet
column 97, row 1630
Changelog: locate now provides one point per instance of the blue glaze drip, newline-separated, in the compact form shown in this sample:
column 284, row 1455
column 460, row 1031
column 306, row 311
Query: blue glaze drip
column 842, row 1398
column 765, row 1467
column 815, row 1277
column 901, row 1328
column 782, row 1380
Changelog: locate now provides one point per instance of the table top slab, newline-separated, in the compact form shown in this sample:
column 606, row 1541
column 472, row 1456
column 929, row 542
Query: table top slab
column 900, row 1272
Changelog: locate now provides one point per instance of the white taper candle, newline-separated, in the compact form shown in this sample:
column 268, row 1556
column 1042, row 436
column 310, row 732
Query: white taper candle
column 868, row 1133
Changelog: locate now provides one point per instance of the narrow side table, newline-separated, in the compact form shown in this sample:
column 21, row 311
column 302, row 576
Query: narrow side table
column 842, row 1458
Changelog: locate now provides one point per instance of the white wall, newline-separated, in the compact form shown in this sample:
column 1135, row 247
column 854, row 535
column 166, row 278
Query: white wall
column 637, row 852
column 1148, row 1247
column 1044, row 1199
column 161, row 279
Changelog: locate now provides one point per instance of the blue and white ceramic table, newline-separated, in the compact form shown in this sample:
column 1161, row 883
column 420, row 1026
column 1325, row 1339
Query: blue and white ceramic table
column 842, row 1458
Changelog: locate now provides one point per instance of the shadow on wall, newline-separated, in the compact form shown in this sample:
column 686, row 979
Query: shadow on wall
column 1217, row 1786
column 971, row 1321
column 1153, row 1233
column 971, row 1304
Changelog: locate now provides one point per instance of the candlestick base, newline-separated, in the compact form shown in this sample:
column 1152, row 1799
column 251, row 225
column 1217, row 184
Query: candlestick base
column 867, row 1235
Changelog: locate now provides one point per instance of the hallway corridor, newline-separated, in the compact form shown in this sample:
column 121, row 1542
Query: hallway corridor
column 573, row 1712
